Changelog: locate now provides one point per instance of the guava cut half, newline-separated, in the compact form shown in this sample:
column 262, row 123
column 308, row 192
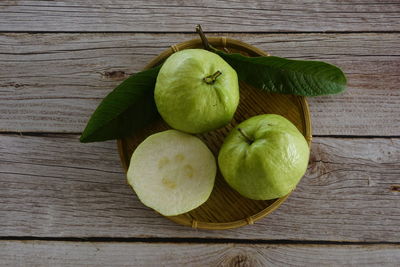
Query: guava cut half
column 172, row 172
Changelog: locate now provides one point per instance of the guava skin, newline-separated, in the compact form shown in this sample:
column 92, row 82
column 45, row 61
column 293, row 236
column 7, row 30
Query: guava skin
column 186, row 101
column 270, row 164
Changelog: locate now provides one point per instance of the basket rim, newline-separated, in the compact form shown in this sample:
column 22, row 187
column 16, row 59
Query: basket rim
column 224, row 41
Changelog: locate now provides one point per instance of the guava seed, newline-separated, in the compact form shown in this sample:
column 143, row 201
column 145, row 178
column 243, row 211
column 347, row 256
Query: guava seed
column 188, row 170
column 162, row 162
column 179, row 157
column 168, row 183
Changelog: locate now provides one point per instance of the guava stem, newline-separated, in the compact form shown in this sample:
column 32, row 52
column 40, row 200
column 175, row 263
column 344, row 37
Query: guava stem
column 203, row 37
column 211, row 78
column 248, row 139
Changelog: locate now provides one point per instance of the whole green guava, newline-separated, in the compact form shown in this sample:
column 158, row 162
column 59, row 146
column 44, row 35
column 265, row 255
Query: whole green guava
column 196, row 91
column 264, row 157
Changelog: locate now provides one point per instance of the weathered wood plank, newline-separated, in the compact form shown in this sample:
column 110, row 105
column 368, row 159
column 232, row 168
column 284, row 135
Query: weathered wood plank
column 55, row 186
column 178, row 16
column 53, row 82
column 45, row 253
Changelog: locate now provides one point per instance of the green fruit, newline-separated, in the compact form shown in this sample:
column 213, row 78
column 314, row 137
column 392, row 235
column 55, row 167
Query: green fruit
column 264, row 157
column 172, row 172
column 196, row 91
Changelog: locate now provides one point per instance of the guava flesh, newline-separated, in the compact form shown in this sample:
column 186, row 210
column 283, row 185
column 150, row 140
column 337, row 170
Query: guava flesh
column 172, row 172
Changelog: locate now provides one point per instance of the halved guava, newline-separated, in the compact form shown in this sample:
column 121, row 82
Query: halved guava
column 172, row 172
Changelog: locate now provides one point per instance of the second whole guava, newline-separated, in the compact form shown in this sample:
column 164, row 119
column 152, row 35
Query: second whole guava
column 196, row 91
column 264, row 157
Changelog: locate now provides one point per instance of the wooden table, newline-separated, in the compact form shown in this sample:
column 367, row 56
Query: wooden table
column 67, row 203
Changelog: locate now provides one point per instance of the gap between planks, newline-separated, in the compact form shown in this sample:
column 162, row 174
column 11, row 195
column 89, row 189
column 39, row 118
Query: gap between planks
column 205, row 31
column 195, row 240
column 55, row 135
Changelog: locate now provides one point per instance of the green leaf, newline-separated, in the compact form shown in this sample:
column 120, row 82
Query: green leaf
column 286, row 76
column 129, row 107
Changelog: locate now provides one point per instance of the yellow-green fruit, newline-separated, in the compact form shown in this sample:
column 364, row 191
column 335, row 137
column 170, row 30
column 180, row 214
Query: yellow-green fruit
column 264, row 157
column 196, row 91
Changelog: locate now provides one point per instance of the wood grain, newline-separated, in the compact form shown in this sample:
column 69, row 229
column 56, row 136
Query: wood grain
column 181, row 16
column 54, row 186
column 44, row 253
column 53, row 82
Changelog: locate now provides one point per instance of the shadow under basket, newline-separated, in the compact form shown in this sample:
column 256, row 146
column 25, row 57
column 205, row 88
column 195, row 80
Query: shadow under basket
column 226, row 209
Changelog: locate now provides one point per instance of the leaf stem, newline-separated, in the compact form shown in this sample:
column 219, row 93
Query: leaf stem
column 248, row 139
column 203, row 37
column 211, row 78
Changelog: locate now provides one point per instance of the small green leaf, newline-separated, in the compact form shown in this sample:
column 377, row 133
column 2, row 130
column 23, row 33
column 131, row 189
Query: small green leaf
column 286, row 76
column 129, row 107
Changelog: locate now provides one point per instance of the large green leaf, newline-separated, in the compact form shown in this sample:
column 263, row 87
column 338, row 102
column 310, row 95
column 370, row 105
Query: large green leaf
column 128, row 108
column 285, row 76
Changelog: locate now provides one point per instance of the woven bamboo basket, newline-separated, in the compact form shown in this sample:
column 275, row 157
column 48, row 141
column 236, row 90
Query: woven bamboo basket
column 226, row 209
